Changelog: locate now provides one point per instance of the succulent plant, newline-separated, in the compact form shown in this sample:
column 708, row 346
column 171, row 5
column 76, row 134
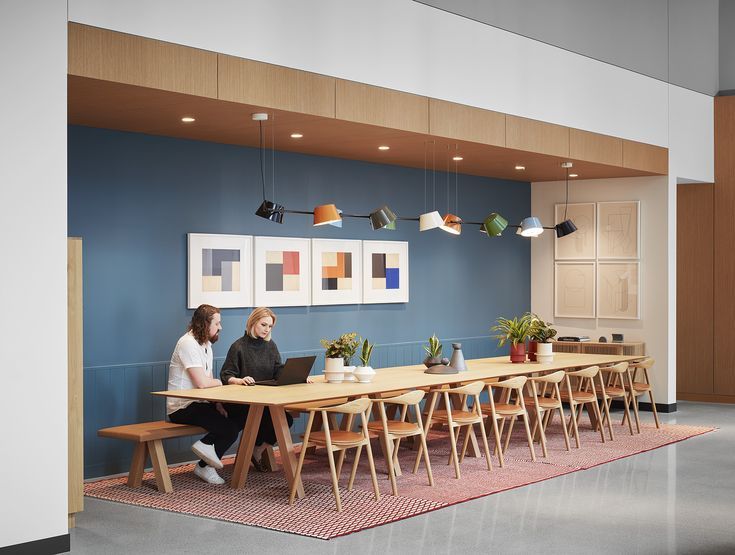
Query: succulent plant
column 434, row 348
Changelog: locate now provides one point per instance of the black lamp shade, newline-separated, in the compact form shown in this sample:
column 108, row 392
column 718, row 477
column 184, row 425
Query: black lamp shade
column 565, row 228
column 382, row 217
column 271, row 211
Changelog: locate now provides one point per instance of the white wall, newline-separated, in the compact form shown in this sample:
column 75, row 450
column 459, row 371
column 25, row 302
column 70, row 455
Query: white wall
column 33, row 464
column 653, row 324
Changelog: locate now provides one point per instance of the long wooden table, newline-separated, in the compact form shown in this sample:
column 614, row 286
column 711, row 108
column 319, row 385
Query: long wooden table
column 385, row 380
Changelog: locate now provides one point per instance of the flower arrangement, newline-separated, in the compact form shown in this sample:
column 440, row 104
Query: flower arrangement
column 345, row 346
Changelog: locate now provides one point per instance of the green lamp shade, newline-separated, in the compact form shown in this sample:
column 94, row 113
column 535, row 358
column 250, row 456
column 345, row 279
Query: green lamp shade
column 271, row 211
column 382, row 217
column 494, row 225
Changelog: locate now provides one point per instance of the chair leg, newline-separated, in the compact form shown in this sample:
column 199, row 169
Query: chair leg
column 302, row 455
column 510, row 433
column 333, row 472
column 606, row 408
column 573, row 422
column 528, row 436
column 354, row 468
column 372, row 471
column 424, row 447
column 452, row 436
column 563, row 426
column 426, row 426
column 388, row 453
column 596, row 410
column 347, row 421
column 626, row 413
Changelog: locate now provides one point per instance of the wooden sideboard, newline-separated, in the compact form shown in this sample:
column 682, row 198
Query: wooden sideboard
column 630, row 348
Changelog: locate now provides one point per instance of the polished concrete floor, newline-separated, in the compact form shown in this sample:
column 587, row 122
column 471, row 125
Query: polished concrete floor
column 677, row 499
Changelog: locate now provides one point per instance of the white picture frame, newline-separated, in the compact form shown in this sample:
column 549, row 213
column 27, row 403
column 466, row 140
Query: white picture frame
column 574, row 289
column 282, row 271
column 389, row 284
column 336, row 271
column 580, row 245
column 618, row 290
column 618, row 230
column 219, row 270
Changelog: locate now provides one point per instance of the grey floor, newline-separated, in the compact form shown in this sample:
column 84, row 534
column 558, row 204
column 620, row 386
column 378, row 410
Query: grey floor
column 677, row 499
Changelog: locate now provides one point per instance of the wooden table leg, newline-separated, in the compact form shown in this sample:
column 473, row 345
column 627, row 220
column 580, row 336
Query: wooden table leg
column 137, row 465
column 245, row 449
column 285, row 447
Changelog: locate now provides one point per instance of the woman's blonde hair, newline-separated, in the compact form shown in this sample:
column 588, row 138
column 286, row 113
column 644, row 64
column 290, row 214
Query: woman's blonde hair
column 255, row 316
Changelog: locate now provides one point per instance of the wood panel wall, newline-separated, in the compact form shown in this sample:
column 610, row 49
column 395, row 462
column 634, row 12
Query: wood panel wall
column 75, row 377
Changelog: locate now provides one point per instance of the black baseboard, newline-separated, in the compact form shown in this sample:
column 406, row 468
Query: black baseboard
column 46, row 546
column 660, row 407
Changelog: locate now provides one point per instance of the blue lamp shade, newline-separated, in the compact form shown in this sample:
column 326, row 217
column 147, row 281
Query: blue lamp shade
column 271, row 211
column 565, row 228
column 494, row 225
column 382, row 217
column 531, row 227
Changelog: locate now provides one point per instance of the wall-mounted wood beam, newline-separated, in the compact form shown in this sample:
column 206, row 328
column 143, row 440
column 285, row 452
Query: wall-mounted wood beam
column 594, row 147
column 536, row 136
column 465, row 123
column 648, row 158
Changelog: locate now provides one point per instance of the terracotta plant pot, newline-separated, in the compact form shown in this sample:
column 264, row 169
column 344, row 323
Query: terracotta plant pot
column 532, row 347
column 518, row 352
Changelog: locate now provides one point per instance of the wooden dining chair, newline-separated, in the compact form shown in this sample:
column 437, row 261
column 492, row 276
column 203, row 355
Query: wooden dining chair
column 457, row 419
column 392, row 430
column 584, row 393
column 335, row 440
column 618, row 376
column 544, row 398
column 641, row 388
column 511, row 407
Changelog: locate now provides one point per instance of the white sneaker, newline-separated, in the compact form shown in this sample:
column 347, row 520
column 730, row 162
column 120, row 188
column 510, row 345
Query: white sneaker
column 207, row 454
column 208, row 474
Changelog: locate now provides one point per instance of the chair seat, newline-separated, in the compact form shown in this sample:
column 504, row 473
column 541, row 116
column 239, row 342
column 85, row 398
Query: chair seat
column 502, row 409
column 394, row 427
column 543, row 402
column 640, row 386
column 341, row 438
column 579, row 396
column 615, row 391
column 458, row 416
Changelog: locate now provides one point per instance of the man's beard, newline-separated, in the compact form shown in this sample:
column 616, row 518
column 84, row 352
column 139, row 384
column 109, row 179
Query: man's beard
column 214, row 338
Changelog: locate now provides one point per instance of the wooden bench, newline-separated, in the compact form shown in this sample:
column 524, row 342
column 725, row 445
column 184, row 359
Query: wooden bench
column 148, row 438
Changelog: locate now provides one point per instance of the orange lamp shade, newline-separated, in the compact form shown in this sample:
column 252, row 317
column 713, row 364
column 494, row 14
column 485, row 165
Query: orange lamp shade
column 326, row 214
column 452, row 224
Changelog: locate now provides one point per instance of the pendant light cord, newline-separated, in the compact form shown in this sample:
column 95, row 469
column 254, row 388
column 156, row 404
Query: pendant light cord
column 566, row 200
column 273, row 157
column 262, row 172
column 425, row 155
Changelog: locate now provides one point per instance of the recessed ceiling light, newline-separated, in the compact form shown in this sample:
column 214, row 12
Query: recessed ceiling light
column 383, row 147
column 573, row 175
column 188, row 119
column 519, row 167
column 296, row 135
column 457, row 158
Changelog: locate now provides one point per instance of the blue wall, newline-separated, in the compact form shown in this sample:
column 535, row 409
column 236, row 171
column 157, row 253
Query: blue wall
column 133, row 198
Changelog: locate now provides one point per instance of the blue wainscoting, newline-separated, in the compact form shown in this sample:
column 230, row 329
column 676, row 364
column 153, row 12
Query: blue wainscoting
column 120, row 394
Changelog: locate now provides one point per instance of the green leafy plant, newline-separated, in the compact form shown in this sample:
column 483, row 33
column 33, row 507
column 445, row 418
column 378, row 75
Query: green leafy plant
column 345, row 346
column 541, row 331
column 516, row 330
column 367, row 351
column 434, row 348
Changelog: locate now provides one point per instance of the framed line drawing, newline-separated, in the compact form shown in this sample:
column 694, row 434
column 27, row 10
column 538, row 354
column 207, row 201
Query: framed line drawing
column 336, row 271
column 385, row 272
column 618, row 290
column 574, row 289
column 618, row 233
column 282, row 271
column 580, row 245
column 220, row 270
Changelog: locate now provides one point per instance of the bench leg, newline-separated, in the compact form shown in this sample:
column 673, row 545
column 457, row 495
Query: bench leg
column 137, row 466
column 160, row 467
column 270, row 459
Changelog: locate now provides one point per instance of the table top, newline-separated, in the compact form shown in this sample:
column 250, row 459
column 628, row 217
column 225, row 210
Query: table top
column 389, row 379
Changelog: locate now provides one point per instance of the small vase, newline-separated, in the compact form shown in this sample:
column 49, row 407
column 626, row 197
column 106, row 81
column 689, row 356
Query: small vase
column 532, row 348
column 432, row 361
column 364, row 374
column 545, row 353
column 518, row 352
column 334, row 369
column 458, row 358
column 349, row 375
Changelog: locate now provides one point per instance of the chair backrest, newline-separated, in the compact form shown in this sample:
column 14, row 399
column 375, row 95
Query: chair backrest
column 618, row 368
column 473, row 388
column 353, row 407
column 646, row 363
column 410, row 398
column 554, row 377
column 590, row 372
column 512, row 383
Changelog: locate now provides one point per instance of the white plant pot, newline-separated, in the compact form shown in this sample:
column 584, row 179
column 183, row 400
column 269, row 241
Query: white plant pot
column 334, row 369
column 545, row 353
column 349, row 374
column 364, row 374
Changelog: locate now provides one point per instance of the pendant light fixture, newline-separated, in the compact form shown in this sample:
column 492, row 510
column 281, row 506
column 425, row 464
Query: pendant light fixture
column 566, row 227
column 494, row 225
column 326, row 214
column 430, row 220
column 382, row 217
column 451, row 223
column 531, row 227
column 268, row 209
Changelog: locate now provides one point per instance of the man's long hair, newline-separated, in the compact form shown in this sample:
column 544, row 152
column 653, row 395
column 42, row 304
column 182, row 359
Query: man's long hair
column 200, row 321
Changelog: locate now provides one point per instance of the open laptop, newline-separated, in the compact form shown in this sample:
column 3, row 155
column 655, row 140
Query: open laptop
column 294, row 371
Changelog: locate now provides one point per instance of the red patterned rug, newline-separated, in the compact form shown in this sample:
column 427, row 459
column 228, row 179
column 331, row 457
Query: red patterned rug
column 264, row 500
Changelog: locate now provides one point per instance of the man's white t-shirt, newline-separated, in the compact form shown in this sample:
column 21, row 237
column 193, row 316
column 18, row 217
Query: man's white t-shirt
column 187, row 354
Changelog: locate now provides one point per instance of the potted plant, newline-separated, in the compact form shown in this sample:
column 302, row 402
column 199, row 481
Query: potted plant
column 434, row 352
column 364, row 373
column 541, row 335
column 516, row 331
column 339, row 353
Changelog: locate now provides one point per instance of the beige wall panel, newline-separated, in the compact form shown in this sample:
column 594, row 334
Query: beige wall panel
column 75, row 371
column 694, row 289
column 593, row 147
column 457, row 121
column 536, row 136
column 271, row 86
column 111, row 56
column 724, row 256
column 383, row 107
column 648, row 158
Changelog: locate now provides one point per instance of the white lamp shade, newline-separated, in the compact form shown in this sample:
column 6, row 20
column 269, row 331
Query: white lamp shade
column 430, row 220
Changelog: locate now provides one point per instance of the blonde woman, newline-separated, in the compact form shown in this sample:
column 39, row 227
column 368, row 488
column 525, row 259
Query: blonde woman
column 254, row 357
